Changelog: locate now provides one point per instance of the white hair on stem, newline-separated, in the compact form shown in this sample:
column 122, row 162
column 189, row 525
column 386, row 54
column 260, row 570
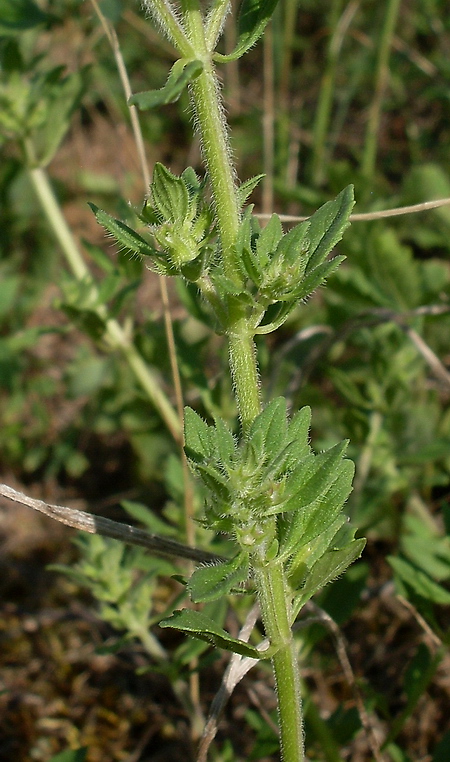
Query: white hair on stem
column 153, row 12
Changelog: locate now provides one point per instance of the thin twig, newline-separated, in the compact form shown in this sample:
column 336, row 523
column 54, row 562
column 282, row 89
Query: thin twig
column 435, row 640
column 366, row 216
column 432, row 360
column 86, row 522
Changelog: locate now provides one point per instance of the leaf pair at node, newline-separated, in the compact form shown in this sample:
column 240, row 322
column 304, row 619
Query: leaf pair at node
column 278, row 270
column 280, row 501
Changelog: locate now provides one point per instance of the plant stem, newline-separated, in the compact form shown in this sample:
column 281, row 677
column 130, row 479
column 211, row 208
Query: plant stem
column 269, row 577
column 382, row 76
column 114, row 333
column 244, row 370
column 214, row 139
column 274, row 599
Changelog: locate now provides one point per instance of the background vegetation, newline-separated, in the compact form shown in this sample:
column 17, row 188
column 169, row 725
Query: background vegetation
column 337, row 93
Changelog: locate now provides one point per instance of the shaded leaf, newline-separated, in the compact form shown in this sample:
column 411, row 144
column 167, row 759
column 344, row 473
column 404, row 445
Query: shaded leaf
column 420, row 582
column 201, row 626
column 17, row 15
column 253, row 18
column 211, row 582
column 181, row 74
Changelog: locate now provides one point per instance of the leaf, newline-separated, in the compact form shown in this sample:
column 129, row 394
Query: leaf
column 65, row 98
column 329, row 504
column 299, row 426
column 330, row 566
column 124, row 235
column 294, row 246
column 208, row 583
column 327, row 226
column 148, row 518
column 246, row 188
column 268, row 240
column 17, row 15
column 214, row 480
column 253, row 18
column 315, row 278
column 201, row 626
column 420, row 582
column 170, row 194
column 226, row 445
column 270, row 427
column 198, row 437
column 181, row 74
column 306, row 555
column 313, row 477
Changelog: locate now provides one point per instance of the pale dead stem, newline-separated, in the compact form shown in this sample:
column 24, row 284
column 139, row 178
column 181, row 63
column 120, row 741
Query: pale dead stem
column 367, row 216
column 126, row 533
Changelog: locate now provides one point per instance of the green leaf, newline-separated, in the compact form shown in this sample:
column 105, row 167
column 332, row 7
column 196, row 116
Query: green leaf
column 327, row 568
column 199, row 443
column 17, row 15
column 148, row 518
column 71, row 755
column 294, row 247
column 170, row 194
column 299, row 426
column 304, row 555
column 420, row 582
column 313, row 477
column 246, row 188
column 214, row 480
column 327, row 226
column 328, row 504
column 181, row 74
column 253, row 18
column 64, row 99
column 270, row 427
column 124, row 235
column 226, row 445
column 268, row 240
column 208, row 583
column 201, row 626
column 315, row 278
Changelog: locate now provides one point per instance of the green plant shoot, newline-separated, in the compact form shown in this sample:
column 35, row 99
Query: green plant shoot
column 281, row 503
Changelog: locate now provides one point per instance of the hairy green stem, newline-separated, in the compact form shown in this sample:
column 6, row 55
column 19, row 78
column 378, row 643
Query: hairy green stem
column 274, row 600
column 214, row 139
column 270, row 578
column 245, row 373
column 163, row 13
column 115, row 335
